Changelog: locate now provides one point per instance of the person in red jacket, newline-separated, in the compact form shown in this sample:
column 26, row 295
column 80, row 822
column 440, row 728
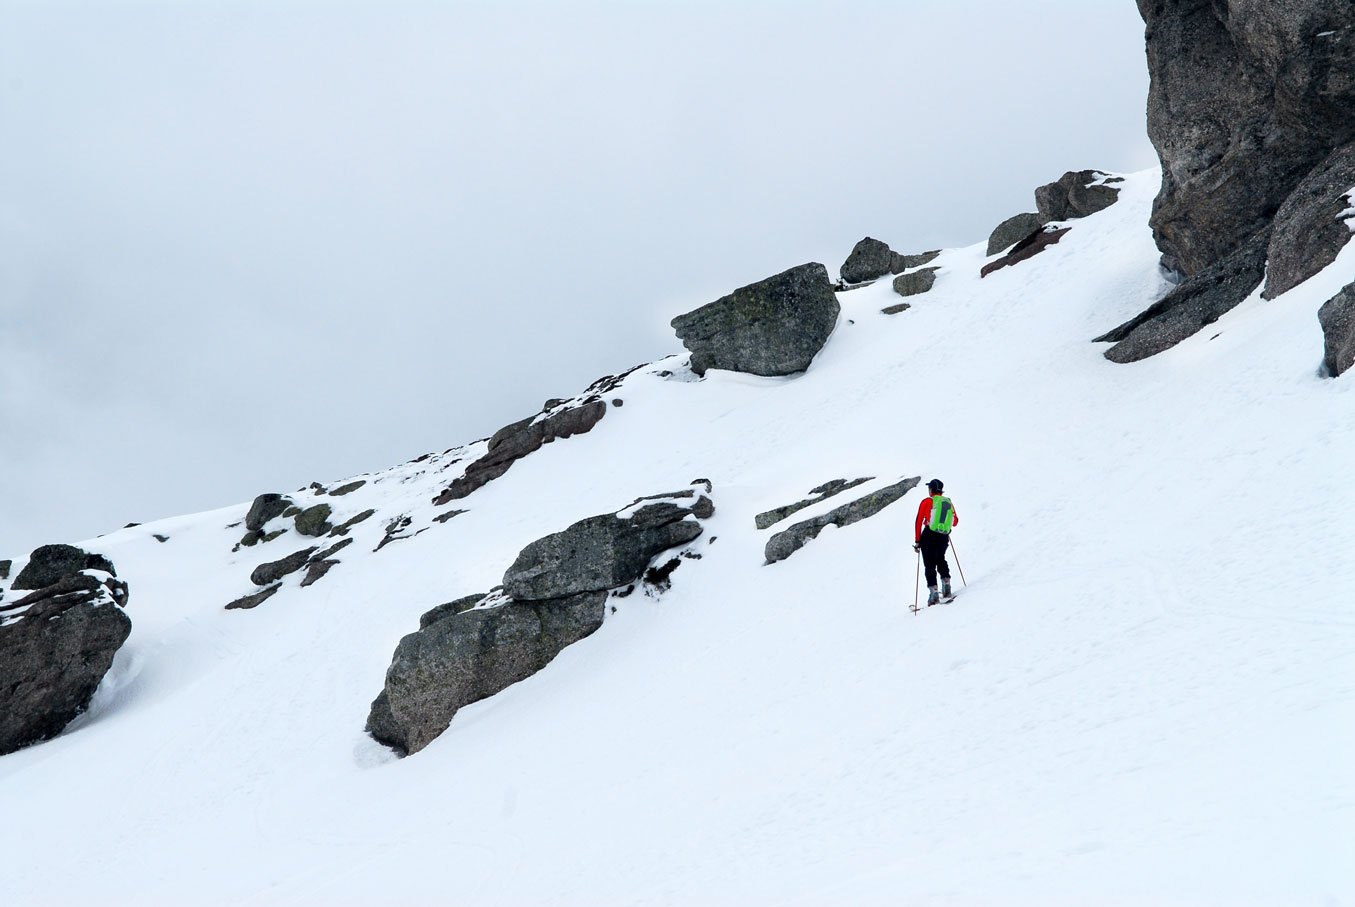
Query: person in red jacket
column 931, row 532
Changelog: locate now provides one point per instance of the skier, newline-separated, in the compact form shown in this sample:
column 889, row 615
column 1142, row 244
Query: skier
column 935, row 518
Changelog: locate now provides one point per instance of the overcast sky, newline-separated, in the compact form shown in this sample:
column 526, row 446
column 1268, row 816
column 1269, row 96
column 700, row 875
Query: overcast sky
column 248, row 245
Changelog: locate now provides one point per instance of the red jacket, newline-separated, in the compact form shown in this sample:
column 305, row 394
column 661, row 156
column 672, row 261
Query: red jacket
column 924, row 516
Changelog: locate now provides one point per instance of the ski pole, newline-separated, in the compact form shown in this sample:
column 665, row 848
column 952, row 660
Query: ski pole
column 916, row 574
column 957, row 563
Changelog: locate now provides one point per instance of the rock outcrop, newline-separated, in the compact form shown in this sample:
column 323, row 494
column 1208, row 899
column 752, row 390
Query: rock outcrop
column 513, row 442
column 265, row 508
column 469, row 656
column 1014, row 229
column 1027, row 248
column 1194, row 303
column 1337, row 317
column 56, row 644
column 554, row 595
column 916, row 282
column 788, row 541
column 51, row 563
column 823, row 492
column 871, row 259
column 1314, row 223
column 1246, row 98
column 1078, row 193
column 773, row 327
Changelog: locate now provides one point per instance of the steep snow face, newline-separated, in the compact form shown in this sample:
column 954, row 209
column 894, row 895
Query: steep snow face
column 1146, row 693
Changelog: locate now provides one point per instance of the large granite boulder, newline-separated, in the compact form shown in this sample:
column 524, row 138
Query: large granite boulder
column 602, row 552
column 871, row 259
column 1014, row 229
column 1311, row 226
column 1078, row 193
column 786, row 542
column 1246, row 98
column 773, row 327
column 915, row 283
column 513, row 442
column 467, row 656
column 1337, row 317
column 1194, row 303
column 265, row 508
column 50, row 563
column 56, row 644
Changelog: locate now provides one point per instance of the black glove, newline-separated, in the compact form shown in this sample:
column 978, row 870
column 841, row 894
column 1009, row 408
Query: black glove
column 917, row 546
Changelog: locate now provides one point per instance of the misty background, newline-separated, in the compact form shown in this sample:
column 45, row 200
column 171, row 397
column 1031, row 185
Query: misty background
column 248, row 245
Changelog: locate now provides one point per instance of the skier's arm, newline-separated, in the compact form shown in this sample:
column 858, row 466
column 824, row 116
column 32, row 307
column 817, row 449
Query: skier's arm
column 924, row 513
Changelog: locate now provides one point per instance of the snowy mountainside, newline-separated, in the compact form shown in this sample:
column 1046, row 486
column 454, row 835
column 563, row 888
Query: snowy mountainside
column 1146, row 694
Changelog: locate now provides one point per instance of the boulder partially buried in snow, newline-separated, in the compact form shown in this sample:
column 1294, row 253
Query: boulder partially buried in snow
column 601, row 552
column 788, row 541
column 468, row 656
column 56, row 644
column 871, row 259
column 1337, row 317
column 915, row 283
column 1078, row 193
column 1012, row 230
column 773, row 327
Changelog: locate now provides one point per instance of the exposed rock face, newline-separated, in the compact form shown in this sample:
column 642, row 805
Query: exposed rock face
column 773, row 327
column 788, row 541
column 822, row 493
column 1027, row 248
column 1012, row 230
column 871, row 259
column 1247, row 97
column 314, row 521
column 56, row 644
column 1078, row 193
column 1196, row 302
column 471, row 655
column 599, row 552
column 255, row 599
column 1337, row 317
column 465, row 603
column 513, row 442
column 50, row 563
column 1312, row 225
column 916, row 282
column 264, row 508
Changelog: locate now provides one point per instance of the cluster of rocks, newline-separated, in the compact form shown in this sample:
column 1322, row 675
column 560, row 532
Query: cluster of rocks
column 1076, row 194
column 773, row 327
column 312, row 522
column 769, row 518
column 1251, row 108
column 56, row 642
column 786, row 542
column 553, row 595
column 871, row 259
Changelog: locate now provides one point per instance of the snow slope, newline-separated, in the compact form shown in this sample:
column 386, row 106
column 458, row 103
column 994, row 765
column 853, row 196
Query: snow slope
column 1146, row 695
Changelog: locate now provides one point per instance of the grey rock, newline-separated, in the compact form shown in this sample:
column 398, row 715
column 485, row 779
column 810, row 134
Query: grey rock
column 1337, row 317
column 54, row 654
column 1192, row 304
column 773, row 327
column 822, row 493
column 316, row 570
column 871, row 259
column 253, row 600
column 1026, row 248
column 1012, row 230
column 332, row 550
column 5, row 568
column 896, row 308
column 342, row 528
column 265, row 508
column 1074, row 195
column 1246, row 97
column 50, row 563
column 469, row 656
column 915, row 282
column 314, row 521
column 704, row 508
column 450, row 608
column 786, row 542
column 447, row 515
column 1309, row 228
column 271, row 572
column 348, row 488
column 513, row 442
column 593, row 554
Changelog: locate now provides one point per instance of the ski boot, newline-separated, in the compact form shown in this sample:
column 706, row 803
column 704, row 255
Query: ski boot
column 933, row 597
column 945, row 588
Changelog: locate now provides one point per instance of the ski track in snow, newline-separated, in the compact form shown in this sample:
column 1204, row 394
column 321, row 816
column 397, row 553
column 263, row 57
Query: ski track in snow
column 1147, row 697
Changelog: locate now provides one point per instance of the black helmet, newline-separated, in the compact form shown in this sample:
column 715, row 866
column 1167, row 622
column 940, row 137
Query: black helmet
column 935, row 485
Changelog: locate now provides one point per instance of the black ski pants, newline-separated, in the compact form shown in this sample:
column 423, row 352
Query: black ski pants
column 934, row 545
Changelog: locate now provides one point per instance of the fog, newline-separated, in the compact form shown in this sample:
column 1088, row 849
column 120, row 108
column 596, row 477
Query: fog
column 244, row 246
